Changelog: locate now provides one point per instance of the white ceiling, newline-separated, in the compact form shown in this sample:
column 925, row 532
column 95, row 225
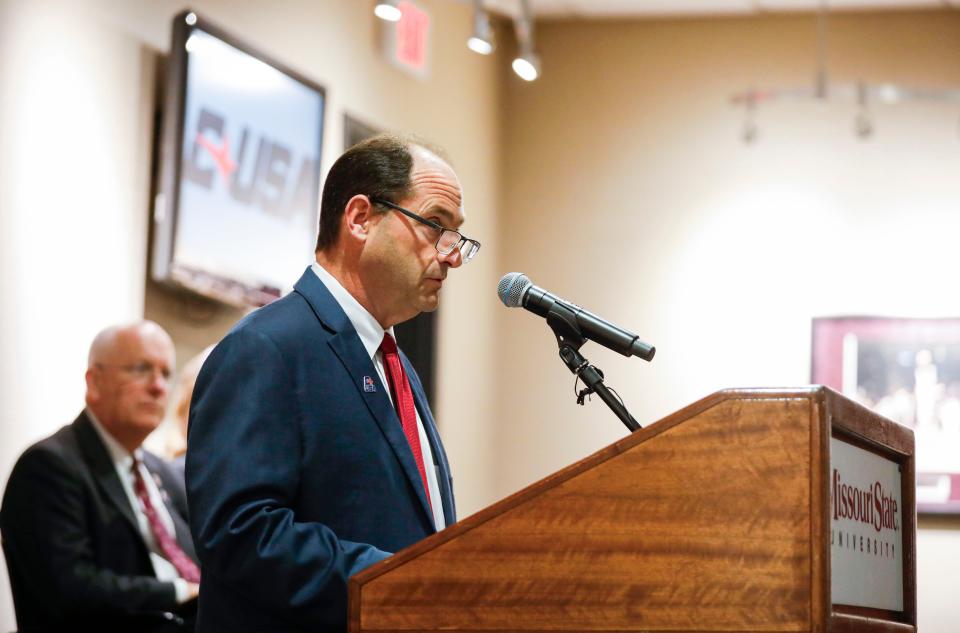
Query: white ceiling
column 596, row 9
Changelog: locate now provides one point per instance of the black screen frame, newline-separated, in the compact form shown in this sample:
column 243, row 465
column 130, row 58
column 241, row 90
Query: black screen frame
column 166, row 202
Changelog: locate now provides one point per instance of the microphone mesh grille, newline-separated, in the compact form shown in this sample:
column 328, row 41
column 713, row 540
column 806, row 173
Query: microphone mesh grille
column 511, row 289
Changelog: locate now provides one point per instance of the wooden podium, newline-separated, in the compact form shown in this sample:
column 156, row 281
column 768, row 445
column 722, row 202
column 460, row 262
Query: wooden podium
column 720, row 517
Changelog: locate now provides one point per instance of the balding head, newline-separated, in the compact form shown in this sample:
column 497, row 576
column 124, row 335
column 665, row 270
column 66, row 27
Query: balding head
column 128, row 374
column 379, row 167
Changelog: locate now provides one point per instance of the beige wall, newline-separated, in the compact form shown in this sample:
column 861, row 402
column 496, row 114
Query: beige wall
column 627, row 189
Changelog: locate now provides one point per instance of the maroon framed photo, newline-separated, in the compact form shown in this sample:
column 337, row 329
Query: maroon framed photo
column 907, row 370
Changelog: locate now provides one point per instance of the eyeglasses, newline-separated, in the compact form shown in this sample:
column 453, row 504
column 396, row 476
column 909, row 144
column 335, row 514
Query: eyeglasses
column 140, row 372
column 448, row 240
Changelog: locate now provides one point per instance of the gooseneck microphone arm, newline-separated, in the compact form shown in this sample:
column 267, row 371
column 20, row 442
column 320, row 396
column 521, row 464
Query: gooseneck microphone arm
column 563, row 322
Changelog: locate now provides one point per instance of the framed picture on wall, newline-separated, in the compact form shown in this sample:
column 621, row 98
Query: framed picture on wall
column 907, row 370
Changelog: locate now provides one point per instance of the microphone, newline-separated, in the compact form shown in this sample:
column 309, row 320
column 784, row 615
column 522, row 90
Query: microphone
column 517, row 291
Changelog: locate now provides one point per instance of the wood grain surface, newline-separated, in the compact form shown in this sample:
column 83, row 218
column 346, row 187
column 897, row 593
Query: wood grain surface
column 712, row 519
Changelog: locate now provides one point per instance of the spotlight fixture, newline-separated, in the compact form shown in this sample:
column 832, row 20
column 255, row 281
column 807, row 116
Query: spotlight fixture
column 481, row 41
column 387, row 10
column 527, row 64
column 823, row 90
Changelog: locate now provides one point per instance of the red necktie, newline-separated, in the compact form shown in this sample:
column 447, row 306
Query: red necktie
column 187, row 569
column 403, row 401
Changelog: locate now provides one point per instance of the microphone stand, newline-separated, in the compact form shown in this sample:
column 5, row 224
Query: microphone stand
column 563, row 322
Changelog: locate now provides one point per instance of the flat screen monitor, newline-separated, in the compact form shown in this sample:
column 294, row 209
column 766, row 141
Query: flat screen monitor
column 235, row 217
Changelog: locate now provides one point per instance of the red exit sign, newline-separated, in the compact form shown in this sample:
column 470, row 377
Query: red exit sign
column 410, row 49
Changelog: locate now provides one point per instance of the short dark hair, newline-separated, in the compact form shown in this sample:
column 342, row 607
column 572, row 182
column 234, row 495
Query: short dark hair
column 378, row 167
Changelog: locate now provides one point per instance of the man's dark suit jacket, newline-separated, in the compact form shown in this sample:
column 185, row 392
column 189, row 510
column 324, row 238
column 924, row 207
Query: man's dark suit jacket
column 75, row 555
column 298, row 476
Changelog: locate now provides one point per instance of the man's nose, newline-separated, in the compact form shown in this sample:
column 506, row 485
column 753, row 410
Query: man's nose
column 454, row 258
column 158, row 382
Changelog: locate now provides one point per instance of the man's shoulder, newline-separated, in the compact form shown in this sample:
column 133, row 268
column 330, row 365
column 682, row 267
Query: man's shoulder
column 62, row 444
column 279, row 330
column 49, row 461
column 287, row 332
column 291, row 309
column 155, row 463
column 285, row 321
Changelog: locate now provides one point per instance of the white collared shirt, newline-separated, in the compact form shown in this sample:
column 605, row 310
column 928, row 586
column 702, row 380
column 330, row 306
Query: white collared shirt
column 123, row 463
column 371, row 335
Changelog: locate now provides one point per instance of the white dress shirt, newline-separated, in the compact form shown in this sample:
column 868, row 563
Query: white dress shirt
column 123, row 463
column 371, row 335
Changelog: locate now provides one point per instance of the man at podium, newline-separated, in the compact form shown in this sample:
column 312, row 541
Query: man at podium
column 312, row 450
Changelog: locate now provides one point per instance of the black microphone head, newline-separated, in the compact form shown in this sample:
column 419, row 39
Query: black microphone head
column 511, row 289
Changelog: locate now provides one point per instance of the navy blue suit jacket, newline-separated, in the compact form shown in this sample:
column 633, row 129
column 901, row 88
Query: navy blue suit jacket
column 298, row 477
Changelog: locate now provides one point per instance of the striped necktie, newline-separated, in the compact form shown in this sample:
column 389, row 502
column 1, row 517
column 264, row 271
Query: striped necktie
column 184, row 565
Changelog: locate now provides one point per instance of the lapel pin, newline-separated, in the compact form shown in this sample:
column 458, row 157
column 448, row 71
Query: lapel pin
column 368, row 385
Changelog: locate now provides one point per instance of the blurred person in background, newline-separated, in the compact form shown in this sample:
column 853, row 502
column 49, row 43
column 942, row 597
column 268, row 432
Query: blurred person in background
column 94, row 528
column 170, row 439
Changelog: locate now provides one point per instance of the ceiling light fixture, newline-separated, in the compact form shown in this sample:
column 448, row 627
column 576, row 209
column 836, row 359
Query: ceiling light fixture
column 527, row 64
column 481, row 41
column 822, row 90
column 387, row 10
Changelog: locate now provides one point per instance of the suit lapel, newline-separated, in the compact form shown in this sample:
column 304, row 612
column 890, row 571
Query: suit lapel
column 347, row 346
column 102, row 468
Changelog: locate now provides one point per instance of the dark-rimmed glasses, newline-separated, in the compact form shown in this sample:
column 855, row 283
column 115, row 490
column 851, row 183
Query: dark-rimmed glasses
column 139, row 372
column 448, row 240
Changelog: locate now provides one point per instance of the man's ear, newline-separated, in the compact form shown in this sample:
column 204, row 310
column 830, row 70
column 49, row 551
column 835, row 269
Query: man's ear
column 93, row 386
column 357, row 216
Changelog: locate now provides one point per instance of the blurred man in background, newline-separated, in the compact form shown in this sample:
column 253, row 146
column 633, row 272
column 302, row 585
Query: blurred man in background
column 94, row 528
column 170, row 440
